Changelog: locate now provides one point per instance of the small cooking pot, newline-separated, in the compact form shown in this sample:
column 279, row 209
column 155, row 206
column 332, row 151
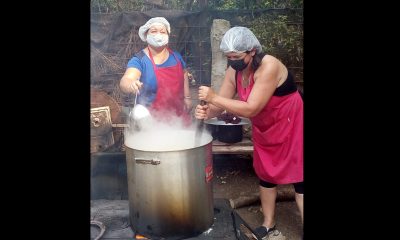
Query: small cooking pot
column 227, row 132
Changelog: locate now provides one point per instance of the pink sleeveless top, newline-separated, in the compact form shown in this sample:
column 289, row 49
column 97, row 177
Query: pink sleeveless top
column 277, row 133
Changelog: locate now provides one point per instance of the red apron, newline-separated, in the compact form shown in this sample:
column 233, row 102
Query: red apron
column 277, row 133
column 169, row 97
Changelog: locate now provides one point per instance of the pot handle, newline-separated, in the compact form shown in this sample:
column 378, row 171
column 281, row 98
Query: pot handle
column 147, row 161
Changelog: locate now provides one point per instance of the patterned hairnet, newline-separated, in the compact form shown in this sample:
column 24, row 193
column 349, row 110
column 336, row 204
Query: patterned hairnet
column 239, row 39
column 143, row 29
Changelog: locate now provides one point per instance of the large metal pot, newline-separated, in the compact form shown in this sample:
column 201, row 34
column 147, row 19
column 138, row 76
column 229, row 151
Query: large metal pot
column 170, row 192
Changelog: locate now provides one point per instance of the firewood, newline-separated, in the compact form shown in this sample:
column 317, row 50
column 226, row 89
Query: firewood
column 242, row 201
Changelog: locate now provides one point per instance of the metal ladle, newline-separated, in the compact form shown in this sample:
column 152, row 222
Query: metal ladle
column 139, row 115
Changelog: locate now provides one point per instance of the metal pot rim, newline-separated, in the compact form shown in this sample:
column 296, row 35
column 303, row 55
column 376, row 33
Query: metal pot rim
column 215, row 121
column 171, row 150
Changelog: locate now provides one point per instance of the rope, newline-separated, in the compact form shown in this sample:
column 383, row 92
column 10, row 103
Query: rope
column 101, row 226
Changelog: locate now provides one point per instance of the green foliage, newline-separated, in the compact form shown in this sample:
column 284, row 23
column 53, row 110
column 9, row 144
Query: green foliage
column 253, row 4
column 223, row 5
column 112, row 6
column 280, row 39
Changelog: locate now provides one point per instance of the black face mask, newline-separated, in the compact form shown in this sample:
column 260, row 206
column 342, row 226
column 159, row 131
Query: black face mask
column 238, row 65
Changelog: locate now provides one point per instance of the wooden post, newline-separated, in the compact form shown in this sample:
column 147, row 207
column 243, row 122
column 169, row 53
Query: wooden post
column 218, row 60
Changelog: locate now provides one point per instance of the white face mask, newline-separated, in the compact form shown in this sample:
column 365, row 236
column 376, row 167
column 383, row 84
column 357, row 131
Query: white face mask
column 157, row 40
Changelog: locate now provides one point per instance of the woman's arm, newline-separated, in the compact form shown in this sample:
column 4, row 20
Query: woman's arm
column 266, row 79
column 227, row 90
column 129, row 82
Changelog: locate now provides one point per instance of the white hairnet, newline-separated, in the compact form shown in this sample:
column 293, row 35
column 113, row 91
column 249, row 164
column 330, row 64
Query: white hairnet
column 239, row 39
column 156, row 20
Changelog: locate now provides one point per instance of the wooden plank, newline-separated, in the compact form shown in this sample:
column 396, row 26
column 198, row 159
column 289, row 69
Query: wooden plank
column 119, row 125
column 232, row 149
column 244, row 146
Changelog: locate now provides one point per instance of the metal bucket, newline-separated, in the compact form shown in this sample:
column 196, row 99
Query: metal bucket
column 170, row 192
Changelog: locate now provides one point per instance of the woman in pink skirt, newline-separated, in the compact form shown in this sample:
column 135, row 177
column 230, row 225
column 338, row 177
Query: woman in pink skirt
column 268, row 96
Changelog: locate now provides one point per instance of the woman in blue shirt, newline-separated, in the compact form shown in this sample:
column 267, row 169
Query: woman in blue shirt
column 157, row 74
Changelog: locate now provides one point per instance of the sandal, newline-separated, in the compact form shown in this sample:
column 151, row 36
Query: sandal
column 262, row 232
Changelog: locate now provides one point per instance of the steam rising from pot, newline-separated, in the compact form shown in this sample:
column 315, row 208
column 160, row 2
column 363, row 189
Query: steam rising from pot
column 172, row 134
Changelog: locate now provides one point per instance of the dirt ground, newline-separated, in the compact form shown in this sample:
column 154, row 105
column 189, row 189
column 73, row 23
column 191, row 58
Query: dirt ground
column 234, row 177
